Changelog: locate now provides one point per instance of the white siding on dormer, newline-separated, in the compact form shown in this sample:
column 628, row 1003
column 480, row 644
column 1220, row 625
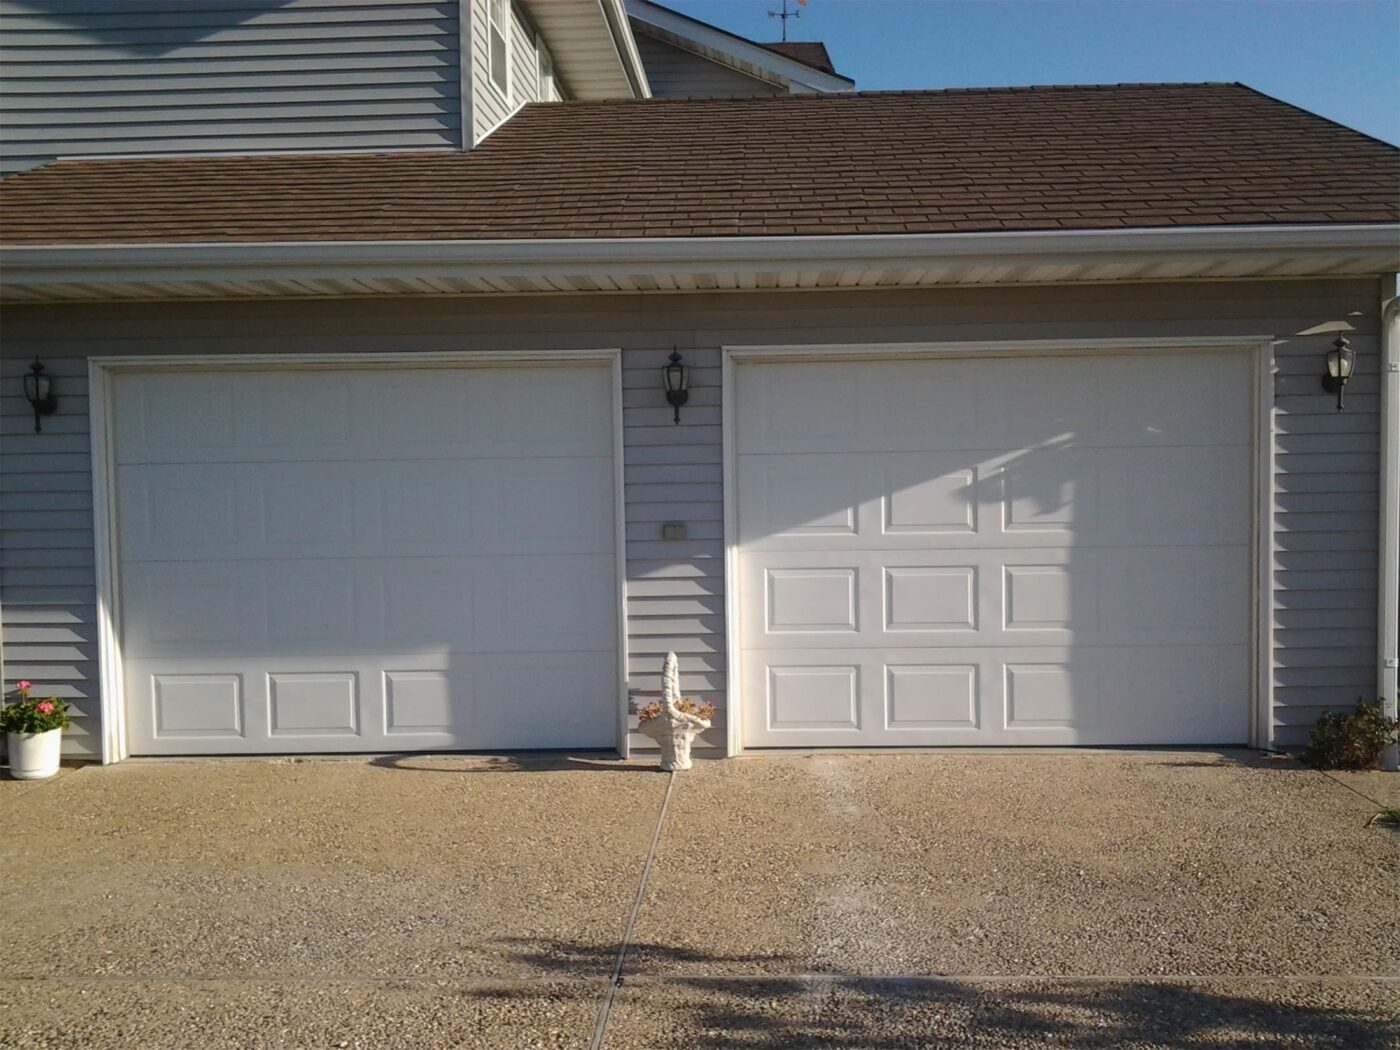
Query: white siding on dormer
column 490, row 105
column 95, row 77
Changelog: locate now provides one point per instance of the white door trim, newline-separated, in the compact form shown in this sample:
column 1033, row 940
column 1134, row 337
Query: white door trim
column 1260, row 349
column 101, row 369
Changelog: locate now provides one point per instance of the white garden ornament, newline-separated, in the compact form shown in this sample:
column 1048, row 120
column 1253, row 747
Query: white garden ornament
column 673, row 728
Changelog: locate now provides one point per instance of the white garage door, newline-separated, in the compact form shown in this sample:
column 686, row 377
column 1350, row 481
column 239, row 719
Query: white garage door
column 367, row 560
column 1012, row 550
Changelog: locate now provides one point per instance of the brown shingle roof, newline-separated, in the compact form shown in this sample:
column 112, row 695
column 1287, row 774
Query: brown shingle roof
column 915, row 162
column 809, row 52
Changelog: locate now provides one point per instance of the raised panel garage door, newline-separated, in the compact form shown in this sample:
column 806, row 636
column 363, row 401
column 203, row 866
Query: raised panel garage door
column 367, row 560
column 995, row 550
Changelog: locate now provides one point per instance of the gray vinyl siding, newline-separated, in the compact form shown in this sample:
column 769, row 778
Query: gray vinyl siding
column 1326, row 483
column 82, row 77
column 674, row 72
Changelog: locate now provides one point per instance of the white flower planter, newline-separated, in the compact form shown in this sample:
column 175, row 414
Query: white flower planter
column 34, row 756
column 674, row 738
column 673, row 730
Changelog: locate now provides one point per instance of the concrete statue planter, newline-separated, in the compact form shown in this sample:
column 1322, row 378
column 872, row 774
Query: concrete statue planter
column 34, row 756
column 674, row 722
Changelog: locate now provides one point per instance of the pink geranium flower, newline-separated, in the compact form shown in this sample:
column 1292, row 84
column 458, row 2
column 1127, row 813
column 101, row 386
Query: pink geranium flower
column 44, row 707
column 23, row 685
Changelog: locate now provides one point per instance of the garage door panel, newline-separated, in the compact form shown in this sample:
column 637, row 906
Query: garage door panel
column 309, row 574
column 1017, row 589
column 170, row 415
column 167, row 608
column 1032, row 402
column 329, row 415
column 792, row 496
column 1195, row 399
column 1016, row 696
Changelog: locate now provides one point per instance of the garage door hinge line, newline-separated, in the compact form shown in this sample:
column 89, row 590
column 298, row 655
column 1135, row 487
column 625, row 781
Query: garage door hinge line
column 615, row 982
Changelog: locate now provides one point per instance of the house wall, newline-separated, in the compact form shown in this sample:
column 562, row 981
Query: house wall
column 135, row 76
column 672, row 71
column 1325, row 503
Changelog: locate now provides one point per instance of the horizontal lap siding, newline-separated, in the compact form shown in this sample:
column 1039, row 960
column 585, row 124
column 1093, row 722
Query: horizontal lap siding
column 1326, row 463
column 48, row 620
column 101, row 77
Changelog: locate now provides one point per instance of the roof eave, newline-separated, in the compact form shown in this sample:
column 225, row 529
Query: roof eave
column 340, row 268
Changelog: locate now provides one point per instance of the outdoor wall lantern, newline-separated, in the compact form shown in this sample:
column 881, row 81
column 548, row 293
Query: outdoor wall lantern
column 1341, row 359
column 677, row 378
column 38, row 389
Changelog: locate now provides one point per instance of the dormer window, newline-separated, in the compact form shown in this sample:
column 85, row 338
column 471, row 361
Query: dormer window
column 498, row 46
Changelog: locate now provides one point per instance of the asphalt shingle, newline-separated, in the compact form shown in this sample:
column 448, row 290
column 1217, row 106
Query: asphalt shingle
column 889, row 162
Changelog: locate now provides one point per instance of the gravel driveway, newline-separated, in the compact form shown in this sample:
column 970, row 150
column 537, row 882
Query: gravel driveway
column 962, row 899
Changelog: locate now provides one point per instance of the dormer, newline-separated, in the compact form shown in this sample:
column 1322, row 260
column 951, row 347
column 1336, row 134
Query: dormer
column 688, row 58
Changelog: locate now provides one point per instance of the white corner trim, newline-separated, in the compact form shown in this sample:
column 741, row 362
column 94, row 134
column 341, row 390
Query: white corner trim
column 624, row 699
column 1388, row 662
column 733, row 637
column 111, row 683
column 1260, row 349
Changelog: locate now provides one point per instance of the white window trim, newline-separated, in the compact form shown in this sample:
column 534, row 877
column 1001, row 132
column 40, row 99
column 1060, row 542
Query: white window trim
column 505, row 31
column 1260, row 348
column 103, row 369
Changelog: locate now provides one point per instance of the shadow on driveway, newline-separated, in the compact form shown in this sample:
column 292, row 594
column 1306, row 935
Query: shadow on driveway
column 723, row 1011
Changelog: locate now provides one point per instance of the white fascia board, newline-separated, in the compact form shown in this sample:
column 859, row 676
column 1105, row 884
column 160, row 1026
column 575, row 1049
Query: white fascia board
column 615, row 12
column 263, row 260
column 724, row 43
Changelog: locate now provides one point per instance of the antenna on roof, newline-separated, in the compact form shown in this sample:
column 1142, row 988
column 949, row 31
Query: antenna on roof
column 785, row 14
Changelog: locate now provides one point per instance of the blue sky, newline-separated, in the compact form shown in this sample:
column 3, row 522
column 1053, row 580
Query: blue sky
column 1340, row 58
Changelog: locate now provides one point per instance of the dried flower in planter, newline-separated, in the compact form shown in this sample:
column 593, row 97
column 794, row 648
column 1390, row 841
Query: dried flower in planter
column 704, row 710
column 673, row 722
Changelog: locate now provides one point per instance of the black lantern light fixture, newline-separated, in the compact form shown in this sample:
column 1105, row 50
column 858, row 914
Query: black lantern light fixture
column 1341, row 359
column 38, row 390
column 677, row 379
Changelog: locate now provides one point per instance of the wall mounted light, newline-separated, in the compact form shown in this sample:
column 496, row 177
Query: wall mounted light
column 677, row 380
column 38, row 390
column 1341, row 359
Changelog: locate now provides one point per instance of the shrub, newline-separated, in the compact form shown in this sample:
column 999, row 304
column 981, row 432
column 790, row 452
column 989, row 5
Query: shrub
column 1350, row 740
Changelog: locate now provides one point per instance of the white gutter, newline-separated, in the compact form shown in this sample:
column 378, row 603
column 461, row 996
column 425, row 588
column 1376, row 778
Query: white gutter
column 1389, row 617
column 1376, row 248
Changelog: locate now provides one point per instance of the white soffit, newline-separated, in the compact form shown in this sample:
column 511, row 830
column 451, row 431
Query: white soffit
column 725, row 48
column 592, row 47
column 282, row 269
